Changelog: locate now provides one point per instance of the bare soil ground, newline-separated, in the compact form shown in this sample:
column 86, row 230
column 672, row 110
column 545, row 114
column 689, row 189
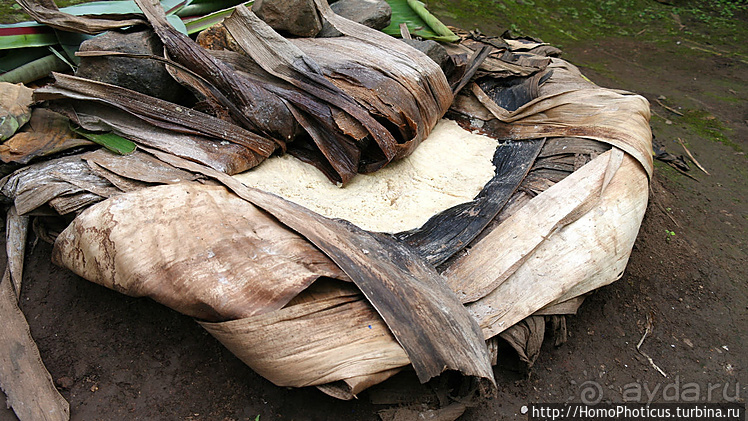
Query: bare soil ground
column 116, row 357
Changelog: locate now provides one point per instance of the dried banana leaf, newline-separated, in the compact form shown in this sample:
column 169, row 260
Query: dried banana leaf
column 344, row 338
column 123, row 243
column 569, row 306
column 23, row 377
column 282, row 59
column 366, row 72
column 469, row 279
column 16, row 230
column 46, row 12
column 15, row 108
column 430, row 75
column 223, row 156
column 529, row 274
column 584, row 113
column 76, row 201
column 450, row 231
column 405, row 291
column 139, row 166
column 526, row 337
column 368, row 78
column 499, row 64
column 161, row 114
column 122, row 183
column 248, row 103
column 35, row 185
column 285, row 61
column 45, row 134
column 158, row 112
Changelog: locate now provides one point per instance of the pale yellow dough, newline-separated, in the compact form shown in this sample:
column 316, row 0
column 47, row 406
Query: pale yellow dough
column 450, row 167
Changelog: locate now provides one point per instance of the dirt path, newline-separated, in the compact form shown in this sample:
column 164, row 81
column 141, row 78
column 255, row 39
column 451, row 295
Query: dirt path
column 116, row 357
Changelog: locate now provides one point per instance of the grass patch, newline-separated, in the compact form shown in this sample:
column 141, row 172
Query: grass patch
column 666, row 171
column 707, row 126
column 11, row 12
column 731, row 99
column 563, row 22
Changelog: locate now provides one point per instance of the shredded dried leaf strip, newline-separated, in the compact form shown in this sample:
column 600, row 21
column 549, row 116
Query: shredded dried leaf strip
column 46, row 12
column 248, row 102
column 158, row 112
column 281, row 58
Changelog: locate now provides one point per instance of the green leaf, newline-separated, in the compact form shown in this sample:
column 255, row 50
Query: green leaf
column 118, row 7
column 32, row 34
column 70, row 43
column 111, row 141
column 63, row 58
column 26, row 34
column 11, row 59
column 205, row 22
column 177, row 23
column 202, row 7
column 419, row 21
column 435, row 24
column 34, row 70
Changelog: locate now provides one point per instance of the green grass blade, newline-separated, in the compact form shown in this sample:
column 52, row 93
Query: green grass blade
column 63, row 58
column 110, row 141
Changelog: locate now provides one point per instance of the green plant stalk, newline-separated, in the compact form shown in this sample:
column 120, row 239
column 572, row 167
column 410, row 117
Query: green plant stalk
column 435, row 24
column 405, row 11
column 34, row 70
column 11, row 59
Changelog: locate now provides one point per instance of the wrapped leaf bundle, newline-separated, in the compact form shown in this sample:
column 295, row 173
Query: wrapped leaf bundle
column 312, row 301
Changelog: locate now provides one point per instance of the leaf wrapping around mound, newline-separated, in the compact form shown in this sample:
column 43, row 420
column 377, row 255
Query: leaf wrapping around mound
column 412, row 298
column 247, row 102
column 123, row 244
column 23, row 377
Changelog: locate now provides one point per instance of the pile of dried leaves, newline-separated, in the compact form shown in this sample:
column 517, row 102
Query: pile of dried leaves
column 303, row 299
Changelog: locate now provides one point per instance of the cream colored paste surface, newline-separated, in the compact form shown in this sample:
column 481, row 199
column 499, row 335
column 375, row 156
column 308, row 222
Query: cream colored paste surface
column 450, row 167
